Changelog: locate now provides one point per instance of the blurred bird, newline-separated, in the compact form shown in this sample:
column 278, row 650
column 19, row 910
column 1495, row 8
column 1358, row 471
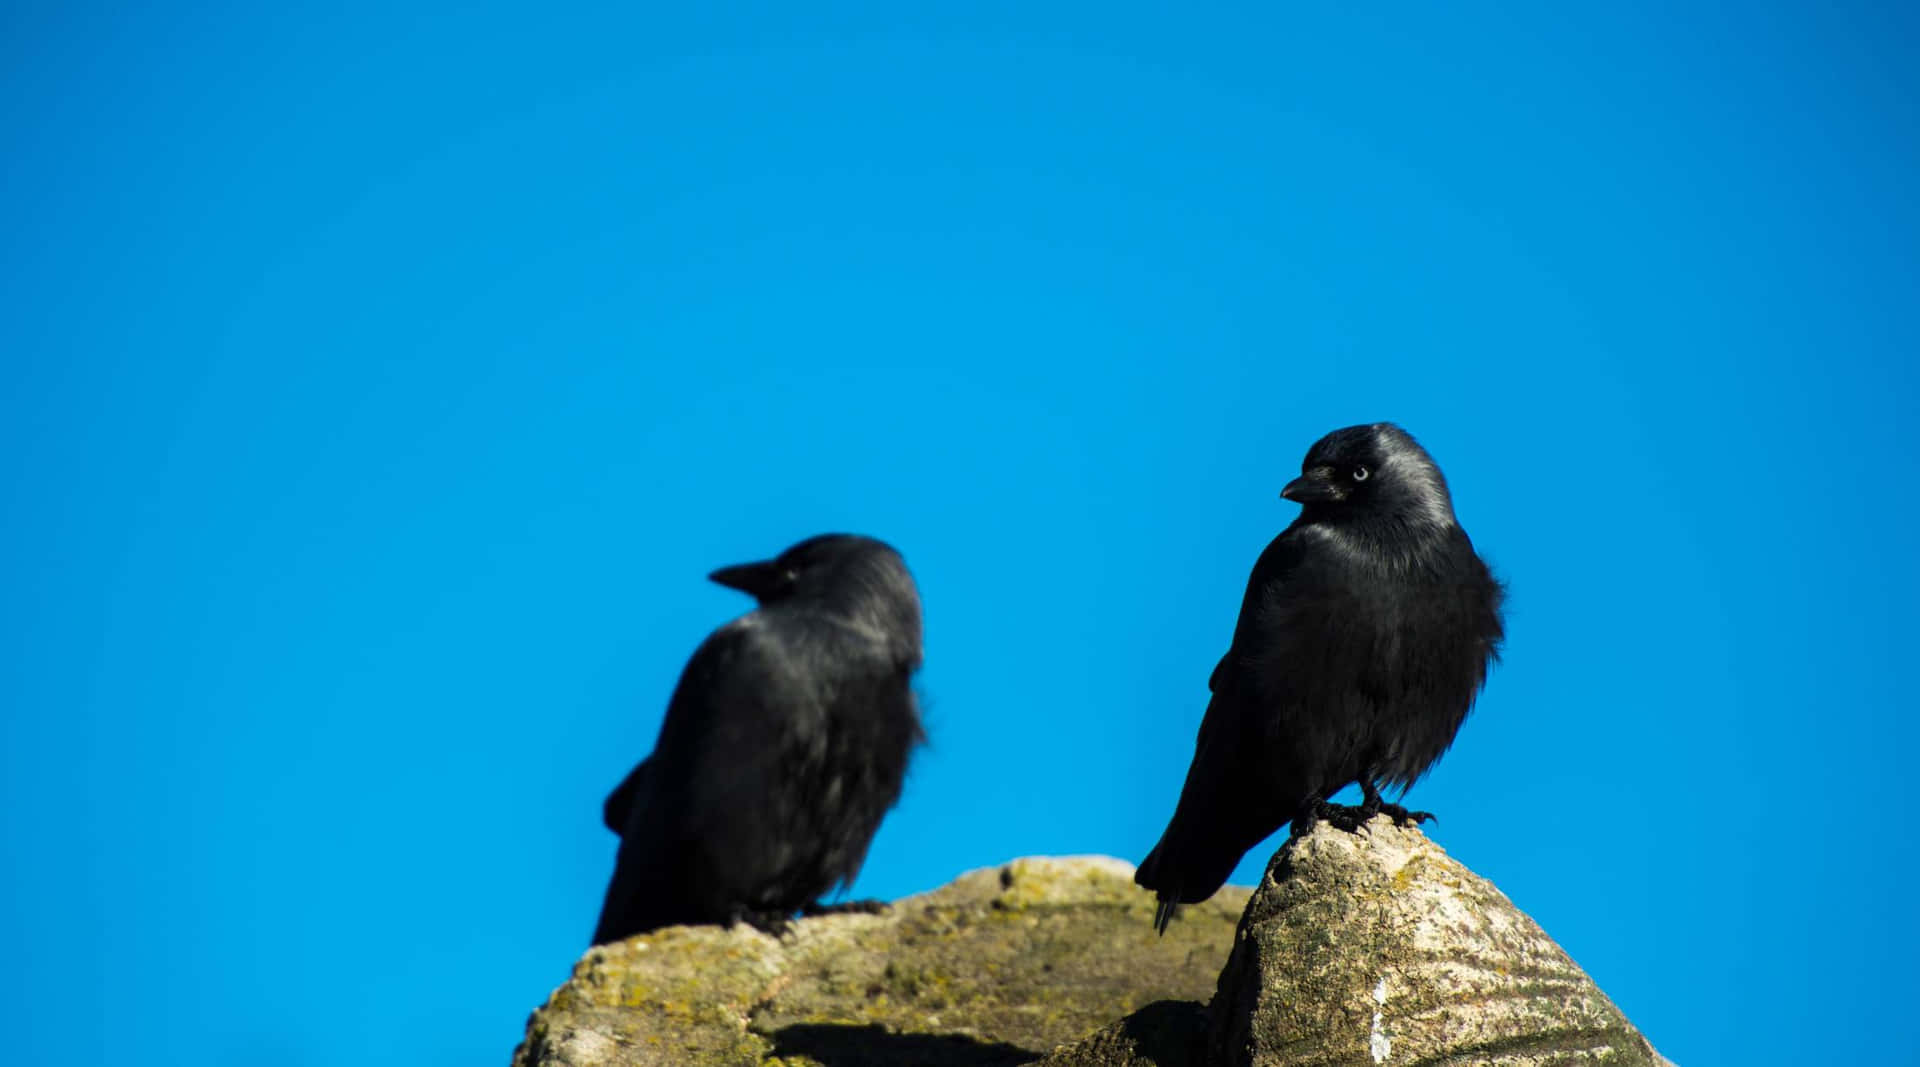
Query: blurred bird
column 1365, row 634
column 784, row 745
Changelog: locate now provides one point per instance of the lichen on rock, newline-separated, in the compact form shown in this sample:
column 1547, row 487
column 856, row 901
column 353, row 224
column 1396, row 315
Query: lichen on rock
column 1378, row 947
column 998, row 967
column 1369, row 948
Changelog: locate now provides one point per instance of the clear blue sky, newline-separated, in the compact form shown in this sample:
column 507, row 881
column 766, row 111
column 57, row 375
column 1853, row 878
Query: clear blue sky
column 377, row 386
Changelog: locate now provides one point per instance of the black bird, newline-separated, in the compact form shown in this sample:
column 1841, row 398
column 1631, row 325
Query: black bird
column 1365, row 634
column 785, row 743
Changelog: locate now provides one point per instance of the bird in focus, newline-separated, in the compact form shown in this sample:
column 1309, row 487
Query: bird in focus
column 1365, row 634
column 785, row 743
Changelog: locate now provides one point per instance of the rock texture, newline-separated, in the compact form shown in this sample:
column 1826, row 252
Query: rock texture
column 1356, row 949
column 997, row 968
column 1378, row 948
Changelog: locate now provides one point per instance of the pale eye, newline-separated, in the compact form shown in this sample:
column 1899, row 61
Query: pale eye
column 1361, row 474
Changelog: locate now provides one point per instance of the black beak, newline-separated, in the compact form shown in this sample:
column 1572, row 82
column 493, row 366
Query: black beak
column 1312, row 487
column 757, row 580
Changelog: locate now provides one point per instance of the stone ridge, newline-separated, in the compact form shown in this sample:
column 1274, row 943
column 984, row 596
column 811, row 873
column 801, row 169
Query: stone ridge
column 1378, row 947
column 996, row 968
column 1357, row 948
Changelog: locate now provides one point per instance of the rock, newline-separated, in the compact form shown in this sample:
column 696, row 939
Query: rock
column 1168, row 1033
column 1358, row 949
column 1378, row 948
column 998, row 967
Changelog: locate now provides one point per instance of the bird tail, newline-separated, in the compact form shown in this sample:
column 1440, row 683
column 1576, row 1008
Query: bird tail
column 1187, row 867
column 1149, row 875
column 617, row 810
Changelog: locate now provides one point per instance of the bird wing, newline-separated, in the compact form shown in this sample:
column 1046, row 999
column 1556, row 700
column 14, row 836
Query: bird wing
column 1223, row 809
column 725, row 715
column 808, row 726
column 770, row 775
column 1266, row 584
column 619, row 805
column 704, row 701
column 657, row 810
column 743, row 744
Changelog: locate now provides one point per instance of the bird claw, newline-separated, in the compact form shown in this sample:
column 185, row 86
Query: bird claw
column 847, row 907
column 1353, row 818
column 1347, row 817
column 774, row 924
column 1404, row 818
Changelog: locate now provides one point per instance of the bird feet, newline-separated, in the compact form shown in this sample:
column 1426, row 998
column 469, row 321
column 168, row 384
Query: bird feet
column 778, row 924
column 1347, row 817
column 1352, row 817
column 774, row 924
column 847, row 907
column 1402, row 816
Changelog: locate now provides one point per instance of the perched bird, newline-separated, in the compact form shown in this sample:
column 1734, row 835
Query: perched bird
column 1365, row 634
column 786, row 741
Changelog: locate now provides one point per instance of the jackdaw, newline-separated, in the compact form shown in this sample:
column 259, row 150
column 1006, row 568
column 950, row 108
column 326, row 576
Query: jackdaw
column 1365, row 634
column 784, row 745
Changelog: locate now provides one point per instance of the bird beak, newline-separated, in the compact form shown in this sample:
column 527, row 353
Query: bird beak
column 1310, row 487
column 757, row 580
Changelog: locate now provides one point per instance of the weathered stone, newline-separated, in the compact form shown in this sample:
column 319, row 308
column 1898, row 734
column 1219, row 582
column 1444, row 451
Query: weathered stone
column 1356, row 949
column 998, row 967
column 1168, row 1033
column 1377, row 948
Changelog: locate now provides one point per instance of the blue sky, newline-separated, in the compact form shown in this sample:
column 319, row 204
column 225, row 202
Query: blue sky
column 378, row 387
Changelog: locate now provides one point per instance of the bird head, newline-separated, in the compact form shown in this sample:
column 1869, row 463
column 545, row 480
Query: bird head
column 810, row 567
column 1376, row 469
column 859, row 579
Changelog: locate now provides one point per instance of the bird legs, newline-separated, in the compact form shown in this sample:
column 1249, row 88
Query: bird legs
column 1351, row 817
column 1373, row 805
column 777, row 923
column 774, row 924
column 846, row 907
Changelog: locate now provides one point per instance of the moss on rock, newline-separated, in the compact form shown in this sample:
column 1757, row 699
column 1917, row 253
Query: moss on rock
column 1370, row 948
column 1378, row 947
column 998, row 967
